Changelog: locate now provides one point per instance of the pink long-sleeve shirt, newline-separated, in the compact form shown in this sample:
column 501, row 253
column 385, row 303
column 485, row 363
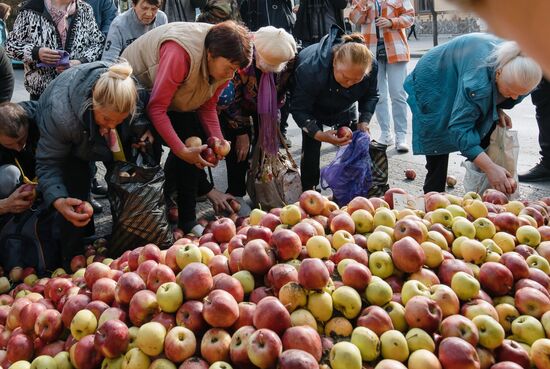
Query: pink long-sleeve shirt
column 174, row 65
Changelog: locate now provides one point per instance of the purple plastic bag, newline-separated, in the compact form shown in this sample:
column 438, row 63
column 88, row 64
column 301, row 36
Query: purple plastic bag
column 63, row 62
column 349, row 175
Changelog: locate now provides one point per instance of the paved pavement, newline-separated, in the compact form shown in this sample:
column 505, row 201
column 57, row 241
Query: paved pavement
column 523, row 117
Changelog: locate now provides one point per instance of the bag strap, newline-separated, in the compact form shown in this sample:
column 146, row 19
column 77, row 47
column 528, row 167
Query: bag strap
column 25, row 178
column 283, row 141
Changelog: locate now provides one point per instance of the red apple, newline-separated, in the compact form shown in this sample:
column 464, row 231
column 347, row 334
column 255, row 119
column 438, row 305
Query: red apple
column 455, row 353
column 495, row 278
column 424, row 313
column 96, row 271
column 264, row 348
column 530, row 301
column 407, row 255
column 127, row 286
column 449, row 267
column 97, row 307
column 220, row 309
column 195, row 280
column 460, row 326
column 210, row 156
column 112, row 338
column 376, row 319
column 313, row 274
column 104, row 290
column 303, row 338
column 305, row 231
column 84, row 355
column 351, row 251
column 257, row 257
column 194, row 362
column 270, row 221
column 516, row 264
column 506, row 222
column 180, row 344
column 190, row 315
column 215, row 345
column 159, row 275
column 281, row 274
column 246, row 315
column 409, row 227
column 84, row 208
column 514, row 352
column 344, row 132
column 223, row 229
column 287, row 244
column 342, row 221
column 28, row 316
column 238, row 347
column 270, row 313
column 143, row 306
column 312, row 202
column 297, row 359
column 410, row 174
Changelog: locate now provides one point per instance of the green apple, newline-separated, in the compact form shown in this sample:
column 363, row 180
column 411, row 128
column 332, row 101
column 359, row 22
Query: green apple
column 384, row 216
column 342, row 264
column 457, row 210
column 419, row 339
column 290, row 215
column 294, row 262
column 303, row 317
column 364, row 221
column 381, row 264
column 465, row 286
column 396, row 311
column 473, row 251
column 44, row 362
column 423, row 359
column 246, row 279
column 207, row 254
column 367, row 342
column 434, row 254
column 319, row 247
column 161, row 363
column 456, row 247
column 107, row 363
column 491, row 333
column 63, row 361
column 169, row 297
column 345, row 355
column 442, row 216
column 485, row 229
column 528, row 235
column 378, row 292
column 463, row 227
column 255, row 216
column 388, row 230
column 505, row 241
column 545, row 320
column 378, row 241
column 341, row 237
column 220, row 365
column 150, row 338
column 492, row 246
column 413, row 288
column 132, row 334
column 504, row 300
column 84, row 323
column 136, row 359
column 476, row 209
column 507, row 313
column 394, row 346
column 292, row 295
column 347, row 301
column 188, row 254
column 438, row 239
column 21, row 364
column 527, row 329
column 539, row 262
column 320, row 305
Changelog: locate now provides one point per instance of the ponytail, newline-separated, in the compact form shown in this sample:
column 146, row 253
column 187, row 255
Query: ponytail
column 353, row 50
column 515, row 67
column 116, row 90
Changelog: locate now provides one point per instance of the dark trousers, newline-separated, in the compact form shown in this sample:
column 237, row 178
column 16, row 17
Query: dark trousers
column 76, row 177
column 412, row 32
column 236, row 171
column 187, row 176
column 541, row 100
column 436, row 178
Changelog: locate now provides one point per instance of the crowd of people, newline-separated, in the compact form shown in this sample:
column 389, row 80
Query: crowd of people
column 102, row 85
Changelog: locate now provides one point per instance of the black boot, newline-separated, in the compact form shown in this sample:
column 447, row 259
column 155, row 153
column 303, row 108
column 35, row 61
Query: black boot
column 98, row 189
column 98, row 208
column 538, row 173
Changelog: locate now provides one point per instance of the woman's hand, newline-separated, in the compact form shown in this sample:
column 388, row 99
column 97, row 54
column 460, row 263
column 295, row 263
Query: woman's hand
column 65, row 206
column 382, row 22
column 220, row 200
column 332, row 138
column 48, row 56
column 144, row 140
column 242, row 145
column 17, row 202
column 192, row 155
column 499, row 178
column 504, row 119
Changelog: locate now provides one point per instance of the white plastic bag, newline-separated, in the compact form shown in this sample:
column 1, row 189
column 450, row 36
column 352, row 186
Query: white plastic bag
column 504, row 151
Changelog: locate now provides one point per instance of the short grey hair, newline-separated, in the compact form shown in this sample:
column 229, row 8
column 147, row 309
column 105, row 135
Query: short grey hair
column 13, row 118
column 515, row 66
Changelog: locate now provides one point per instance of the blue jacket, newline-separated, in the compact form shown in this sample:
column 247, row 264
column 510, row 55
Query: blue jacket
column 453, row 96
column 318, row 99
column 104, row 12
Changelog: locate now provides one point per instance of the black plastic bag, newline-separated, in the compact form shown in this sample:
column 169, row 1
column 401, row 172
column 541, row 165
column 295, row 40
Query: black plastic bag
column 138, row 207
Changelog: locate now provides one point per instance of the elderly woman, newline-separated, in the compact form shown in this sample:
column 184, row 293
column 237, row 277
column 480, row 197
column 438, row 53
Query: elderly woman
column 187, row 66
column 330, row 78
column 255, row 96
column 50, row 36
column 85, row 115
column 456, row 93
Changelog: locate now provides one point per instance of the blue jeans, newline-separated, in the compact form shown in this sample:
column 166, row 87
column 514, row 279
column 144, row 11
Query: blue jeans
column 9, row 180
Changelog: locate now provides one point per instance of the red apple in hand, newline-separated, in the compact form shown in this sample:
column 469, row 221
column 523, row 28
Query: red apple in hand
column 210, row 156
column 344, row 132
column 84, row 208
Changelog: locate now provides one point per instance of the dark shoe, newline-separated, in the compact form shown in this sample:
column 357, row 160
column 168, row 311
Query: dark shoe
column 98, row 189
column 98, row 208
column 536, row 174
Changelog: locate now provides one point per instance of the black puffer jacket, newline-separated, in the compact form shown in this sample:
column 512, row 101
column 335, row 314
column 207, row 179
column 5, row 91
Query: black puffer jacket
column 261, row 13
column 315, row 17
column 6, row 77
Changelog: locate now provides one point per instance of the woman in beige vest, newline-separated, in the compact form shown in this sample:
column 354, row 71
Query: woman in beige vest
column 188, row 67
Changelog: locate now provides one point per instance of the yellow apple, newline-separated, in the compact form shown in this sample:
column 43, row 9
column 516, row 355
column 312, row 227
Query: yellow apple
column 393, row 345
column 367, row 342
column 419, row 339
column 378, row 241
column 319, row 247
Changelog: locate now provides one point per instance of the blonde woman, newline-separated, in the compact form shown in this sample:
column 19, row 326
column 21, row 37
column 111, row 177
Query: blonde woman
column 82, row 113
column 330, row 77
column 457, row 94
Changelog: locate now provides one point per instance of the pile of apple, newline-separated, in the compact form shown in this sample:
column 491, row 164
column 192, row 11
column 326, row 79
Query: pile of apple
column 464, row 284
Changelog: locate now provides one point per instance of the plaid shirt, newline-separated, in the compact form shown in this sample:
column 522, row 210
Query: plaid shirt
column 401, row 14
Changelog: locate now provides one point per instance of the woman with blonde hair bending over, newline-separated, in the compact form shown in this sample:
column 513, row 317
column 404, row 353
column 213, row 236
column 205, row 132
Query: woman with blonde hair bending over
column 457, row 94
column 86, row 114
column 330, row 77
